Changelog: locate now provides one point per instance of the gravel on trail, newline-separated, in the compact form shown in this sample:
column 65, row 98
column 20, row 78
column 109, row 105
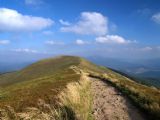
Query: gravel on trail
column 109, row 104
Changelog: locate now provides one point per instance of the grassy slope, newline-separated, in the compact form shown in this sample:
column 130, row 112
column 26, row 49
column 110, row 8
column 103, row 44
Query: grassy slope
column 43, row 79
column 46, row 78
column 42, row 68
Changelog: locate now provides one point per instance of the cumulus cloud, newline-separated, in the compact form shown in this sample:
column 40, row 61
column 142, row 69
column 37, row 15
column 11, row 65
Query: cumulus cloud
column 90, row 23
column 51, row 42
column 156, row 18
column 11, row 21
column 113, row 39
column 64, row 22
column 26, row 50
column 4, row 42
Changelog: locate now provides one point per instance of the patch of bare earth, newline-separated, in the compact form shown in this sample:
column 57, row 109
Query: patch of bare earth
column 109, row 104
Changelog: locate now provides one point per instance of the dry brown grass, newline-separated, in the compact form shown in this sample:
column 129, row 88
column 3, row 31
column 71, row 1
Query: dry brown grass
column 25, row 94
column 77, row 97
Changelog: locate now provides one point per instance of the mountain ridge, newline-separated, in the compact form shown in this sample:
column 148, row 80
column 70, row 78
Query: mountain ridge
column 45, row 80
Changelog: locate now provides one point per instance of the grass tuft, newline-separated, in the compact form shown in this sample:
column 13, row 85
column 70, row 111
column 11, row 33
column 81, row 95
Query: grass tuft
column 77, row 97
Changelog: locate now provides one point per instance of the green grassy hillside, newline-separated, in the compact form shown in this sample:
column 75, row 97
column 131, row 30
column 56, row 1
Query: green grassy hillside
column 40, row 80
column 43, row 79
column 47, row 78
column 40, row 69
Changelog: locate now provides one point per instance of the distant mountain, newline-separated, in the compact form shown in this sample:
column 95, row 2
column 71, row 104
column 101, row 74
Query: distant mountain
column 112, row 62
column 146, row 71
column 13, row 66
column 151, row 63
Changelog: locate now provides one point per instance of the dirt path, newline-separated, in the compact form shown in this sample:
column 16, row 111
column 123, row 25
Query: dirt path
column 109, row 104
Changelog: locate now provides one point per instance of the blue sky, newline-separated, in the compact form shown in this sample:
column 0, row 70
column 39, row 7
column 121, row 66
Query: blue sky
column 122, row 29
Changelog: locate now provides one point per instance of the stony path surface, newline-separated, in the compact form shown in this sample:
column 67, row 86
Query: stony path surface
column 109, row 104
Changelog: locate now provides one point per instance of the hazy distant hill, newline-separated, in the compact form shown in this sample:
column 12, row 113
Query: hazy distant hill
column 146, row 71
column 8, row 67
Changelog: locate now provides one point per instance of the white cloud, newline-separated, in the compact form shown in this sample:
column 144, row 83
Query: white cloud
column 4, row 42
column 81, row 42
column 11, row 21
column 33, row 2
column 51, row 42
column 64, row 22
column 90, row 23
column 113, row 39
column 26, row 50
column 156, row 18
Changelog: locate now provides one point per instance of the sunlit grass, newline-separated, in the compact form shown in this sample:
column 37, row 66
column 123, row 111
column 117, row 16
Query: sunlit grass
column 24, row 94
column 54, row 81
column 78, row 98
